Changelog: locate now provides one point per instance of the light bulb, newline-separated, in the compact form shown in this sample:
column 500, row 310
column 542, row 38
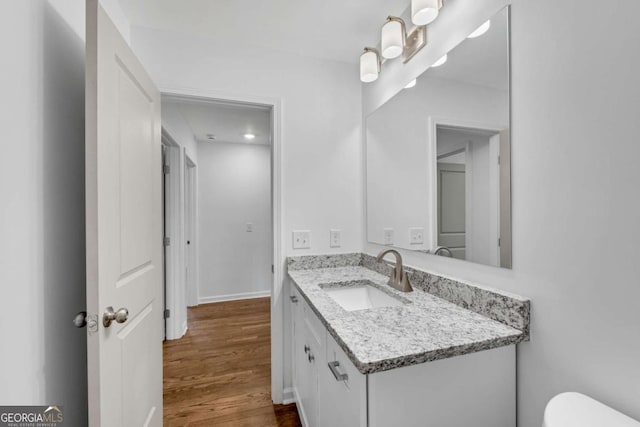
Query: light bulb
column 440, row 61
column 392, row 38
column 480, row 30
column 424, row 12
column 369, row 65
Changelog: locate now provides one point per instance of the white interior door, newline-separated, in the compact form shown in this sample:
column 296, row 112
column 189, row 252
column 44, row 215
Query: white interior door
column 451, row 208
column 124, row 231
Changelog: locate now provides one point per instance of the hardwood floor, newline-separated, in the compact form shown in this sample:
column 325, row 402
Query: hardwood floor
column 219, row 373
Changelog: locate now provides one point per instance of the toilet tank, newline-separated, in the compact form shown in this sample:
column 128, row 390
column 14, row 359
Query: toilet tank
column 577, row 410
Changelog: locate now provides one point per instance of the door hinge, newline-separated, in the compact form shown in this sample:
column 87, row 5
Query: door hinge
column 273, row 270
column 166, row 169
column 499, row 241
column 498, row 159
column 166, row 241
column 167, row 313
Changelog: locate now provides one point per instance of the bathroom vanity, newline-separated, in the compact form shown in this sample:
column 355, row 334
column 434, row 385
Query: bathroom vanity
column 365, row 354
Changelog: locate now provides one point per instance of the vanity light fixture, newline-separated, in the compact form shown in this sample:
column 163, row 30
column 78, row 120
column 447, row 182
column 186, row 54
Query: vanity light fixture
column 411, row 84
column 369, row 65
column 424, row 12
column 480, row 30
column 395, row 41
column 392, row 37
column 440, row 61
column 249, row 136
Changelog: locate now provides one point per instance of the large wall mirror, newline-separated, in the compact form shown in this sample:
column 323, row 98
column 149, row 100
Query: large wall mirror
column 438, row 156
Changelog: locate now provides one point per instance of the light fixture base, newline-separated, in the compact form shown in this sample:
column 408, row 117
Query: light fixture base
column 416, row 40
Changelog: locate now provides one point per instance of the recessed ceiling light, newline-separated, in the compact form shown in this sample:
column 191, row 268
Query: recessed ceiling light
column 481, row 30
column 440, row 61
column 249, row 136
column 411, row 84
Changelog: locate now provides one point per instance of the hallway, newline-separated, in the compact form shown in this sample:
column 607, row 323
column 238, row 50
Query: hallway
column 219, row 374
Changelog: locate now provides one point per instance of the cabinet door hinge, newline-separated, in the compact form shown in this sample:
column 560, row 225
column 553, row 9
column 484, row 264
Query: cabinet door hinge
column 167, row 313
column 166, row 241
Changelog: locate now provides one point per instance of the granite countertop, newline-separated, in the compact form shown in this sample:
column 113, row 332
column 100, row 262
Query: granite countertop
column 424, row 329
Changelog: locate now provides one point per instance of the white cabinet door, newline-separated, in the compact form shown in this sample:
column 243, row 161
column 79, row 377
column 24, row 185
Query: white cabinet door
column 309, row 388
column 476, row 389
column 305, row 373
column 343, row 390
column 296, row 339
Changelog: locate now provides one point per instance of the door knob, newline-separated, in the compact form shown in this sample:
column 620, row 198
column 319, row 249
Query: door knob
column 119, row 316
column 80, row 321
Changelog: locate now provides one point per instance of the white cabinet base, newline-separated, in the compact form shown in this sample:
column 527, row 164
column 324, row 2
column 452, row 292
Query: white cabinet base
column 477, row 389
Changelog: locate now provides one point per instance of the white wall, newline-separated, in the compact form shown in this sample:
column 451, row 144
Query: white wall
column 320, row 123
column 42, row 259
column 320, row 136
column 575, row 104
column 234, row 188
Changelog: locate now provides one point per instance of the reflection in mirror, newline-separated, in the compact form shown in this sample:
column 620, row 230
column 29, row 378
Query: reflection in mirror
column 438, row 156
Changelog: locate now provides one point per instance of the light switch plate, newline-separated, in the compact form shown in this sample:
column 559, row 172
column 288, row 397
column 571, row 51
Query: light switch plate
column 301, row 239
column 334, row 238
column 416, row 235
column 388, row 236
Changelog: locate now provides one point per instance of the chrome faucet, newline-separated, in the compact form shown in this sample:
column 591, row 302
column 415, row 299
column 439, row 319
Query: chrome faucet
column 440, row 250
column 399, row 279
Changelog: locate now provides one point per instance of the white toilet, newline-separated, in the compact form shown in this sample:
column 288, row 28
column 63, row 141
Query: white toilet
column 577, row 410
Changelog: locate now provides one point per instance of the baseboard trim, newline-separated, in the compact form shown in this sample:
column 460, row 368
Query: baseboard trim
column 289, row 396
column 234, row 297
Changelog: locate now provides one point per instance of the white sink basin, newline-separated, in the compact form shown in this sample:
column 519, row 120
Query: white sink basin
column 360, row 297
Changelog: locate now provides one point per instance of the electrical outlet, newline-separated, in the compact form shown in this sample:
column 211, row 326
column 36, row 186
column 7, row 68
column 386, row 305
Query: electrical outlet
column 301, row 239
column 334, row 238
column 249, row 227
column 388, row 236
column 416, row 235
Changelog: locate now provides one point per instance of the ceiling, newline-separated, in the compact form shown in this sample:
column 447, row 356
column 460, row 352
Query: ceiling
column 228, row 122
column 327, row 29
column 483, row 61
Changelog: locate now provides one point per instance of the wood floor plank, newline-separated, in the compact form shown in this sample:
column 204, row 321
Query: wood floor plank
column 219, row 373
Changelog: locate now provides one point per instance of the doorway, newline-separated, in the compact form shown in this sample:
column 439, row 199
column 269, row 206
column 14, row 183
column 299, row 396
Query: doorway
column 469, row 194
column 231, row 217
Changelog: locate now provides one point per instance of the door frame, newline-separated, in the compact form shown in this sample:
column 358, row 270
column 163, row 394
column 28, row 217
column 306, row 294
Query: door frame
column 175, row 323
column 190, row 230
column 432, row 148
column 277, row 285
